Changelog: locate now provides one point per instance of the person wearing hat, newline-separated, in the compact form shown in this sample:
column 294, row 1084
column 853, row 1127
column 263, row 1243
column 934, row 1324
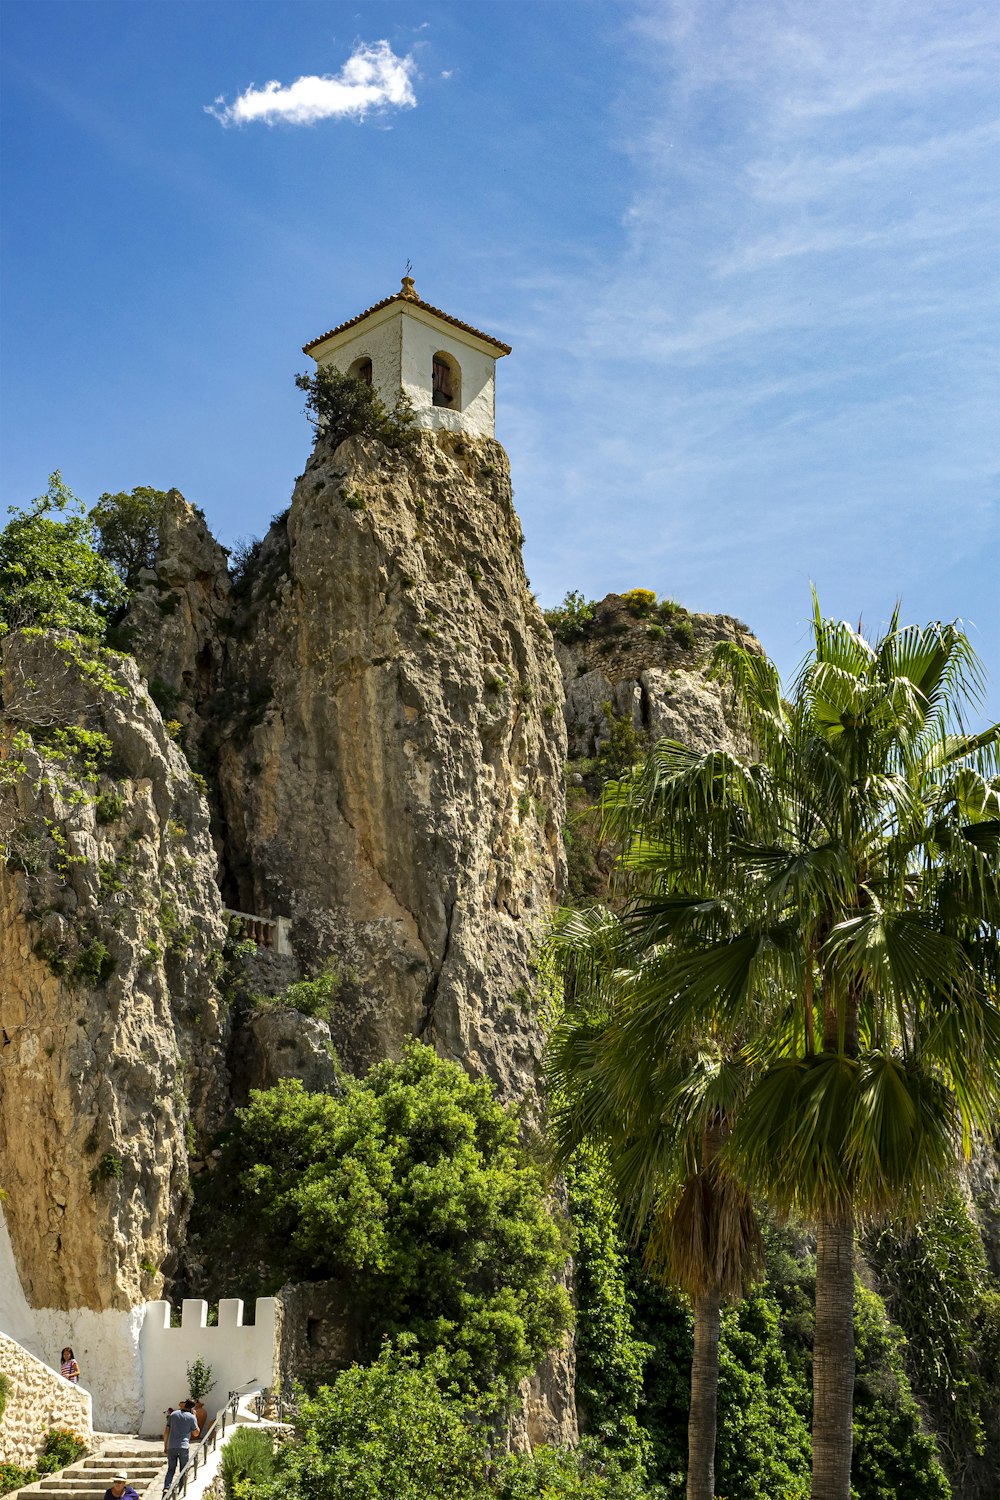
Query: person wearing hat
column 120, row 1488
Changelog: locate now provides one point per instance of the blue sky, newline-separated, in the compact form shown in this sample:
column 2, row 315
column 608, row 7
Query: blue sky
column 746, row 254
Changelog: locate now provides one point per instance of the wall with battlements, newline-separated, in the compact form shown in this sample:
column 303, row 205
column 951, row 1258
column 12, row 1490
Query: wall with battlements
column 240, row 1355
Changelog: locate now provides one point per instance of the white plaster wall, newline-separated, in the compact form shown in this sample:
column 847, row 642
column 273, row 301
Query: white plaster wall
column 238, row 1355
column 106, row 1345
column 17, row 1319
column 401, row 343
column 379, row 339
column 421, row 341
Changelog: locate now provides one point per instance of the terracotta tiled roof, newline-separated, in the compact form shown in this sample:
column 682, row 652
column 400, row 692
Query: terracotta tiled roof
column 407, row 294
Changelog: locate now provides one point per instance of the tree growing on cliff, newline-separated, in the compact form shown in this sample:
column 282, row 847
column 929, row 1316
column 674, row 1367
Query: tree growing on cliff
column 51, row 572
column 128, row 528
column 832, row 908
column 414, row 1191
column 339, row 407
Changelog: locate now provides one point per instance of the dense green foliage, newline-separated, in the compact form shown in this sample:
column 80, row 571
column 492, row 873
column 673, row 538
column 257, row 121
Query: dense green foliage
column 128, row 528
column 808, row 961
column 938, row 1290
column 396, row 1427
column 571, row 620
column 339, row 407
column 401, row 1428
column 51, row 572
column 413, row 1189
column 764, row 1391
column 609, row 1358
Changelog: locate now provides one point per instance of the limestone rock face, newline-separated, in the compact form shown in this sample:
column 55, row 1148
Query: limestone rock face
column 110, row 932
column 278, row 1042
column 653, row 676
column 390, row 745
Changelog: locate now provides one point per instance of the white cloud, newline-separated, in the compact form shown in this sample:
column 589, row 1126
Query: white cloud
column 373, row 78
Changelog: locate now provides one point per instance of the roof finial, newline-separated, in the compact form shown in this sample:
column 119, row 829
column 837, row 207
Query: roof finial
column 408, row 289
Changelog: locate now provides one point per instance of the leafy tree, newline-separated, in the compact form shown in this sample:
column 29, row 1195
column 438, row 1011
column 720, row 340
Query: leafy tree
column 128, row 524
column 831, row 910
column 51, row 573
column 340, row 406
column 412, row 1189
column 397, row 1427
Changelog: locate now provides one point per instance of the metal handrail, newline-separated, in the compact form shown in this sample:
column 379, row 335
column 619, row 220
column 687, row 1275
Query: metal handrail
column 225, row 1416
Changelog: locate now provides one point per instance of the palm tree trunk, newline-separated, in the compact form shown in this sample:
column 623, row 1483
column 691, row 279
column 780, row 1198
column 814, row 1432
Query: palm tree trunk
column 833, row 1360
column 704, row 1392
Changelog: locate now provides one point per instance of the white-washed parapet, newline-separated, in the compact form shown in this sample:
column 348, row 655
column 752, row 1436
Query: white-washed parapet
column 240, row 1355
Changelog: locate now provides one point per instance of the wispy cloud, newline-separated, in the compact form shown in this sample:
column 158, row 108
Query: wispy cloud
column 372, row 79
column 792, row 333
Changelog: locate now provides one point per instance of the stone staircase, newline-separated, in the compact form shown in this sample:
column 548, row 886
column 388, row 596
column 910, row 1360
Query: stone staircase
column 144, row 1463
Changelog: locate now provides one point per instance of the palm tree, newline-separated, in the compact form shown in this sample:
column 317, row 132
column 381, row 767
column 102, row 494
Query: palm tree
column 660, row 1131
column 830, row 909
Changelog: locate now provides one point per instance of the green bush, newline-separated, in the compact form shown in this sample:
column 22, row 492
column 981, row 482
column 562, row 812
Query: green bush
column 572, row 619
column 95, row 964
column 313, row 997
column 339, row 407
column 51, row 574
column 248, row 1456
column 128, row 526
column 587, row 1473
column 683, row 630
column 13, row 1478
column 109, row 807
column 4, row 1392
column 395, row 1428
column 413, row 1191
column 62, row 1446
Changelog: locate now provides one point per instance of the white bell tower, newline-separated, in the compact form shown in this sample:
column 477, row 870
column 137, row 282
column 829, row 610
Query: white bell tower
column 447, row 368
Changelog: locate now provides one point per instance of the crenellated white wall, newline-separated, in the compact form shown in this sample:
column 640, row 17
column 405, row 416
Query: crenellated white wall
column 132, row 1362
column 238, row 1355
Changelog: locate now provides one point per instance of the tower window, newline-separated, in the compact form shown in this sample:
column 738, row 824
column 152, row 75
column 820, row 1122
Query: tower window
column 362, row 370
column 446, row 382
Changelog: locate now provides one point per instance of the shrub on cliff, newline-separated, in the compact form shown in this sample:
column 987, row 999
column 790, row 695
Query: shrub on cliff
column 414, row 1191
column 339, row 407
column 51, row 572
column 128, row 527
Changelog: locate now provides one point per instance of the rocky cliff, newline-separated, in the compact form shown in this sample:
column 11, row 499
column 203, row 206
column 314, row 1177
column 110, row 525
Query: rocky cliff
column 381, row 719
column 110, row 934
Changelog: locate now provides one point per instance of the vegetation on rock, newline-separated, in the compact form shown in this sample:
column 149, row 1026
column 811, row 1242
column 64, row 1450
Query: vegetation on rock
column 339, row 407
column 414, row 1191
column 52, row 575
column 128, row 529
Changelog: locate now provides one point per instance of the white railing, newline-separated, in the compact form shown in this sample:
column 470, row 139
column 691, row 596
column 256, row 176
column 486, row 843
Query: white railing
column 266, row 932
